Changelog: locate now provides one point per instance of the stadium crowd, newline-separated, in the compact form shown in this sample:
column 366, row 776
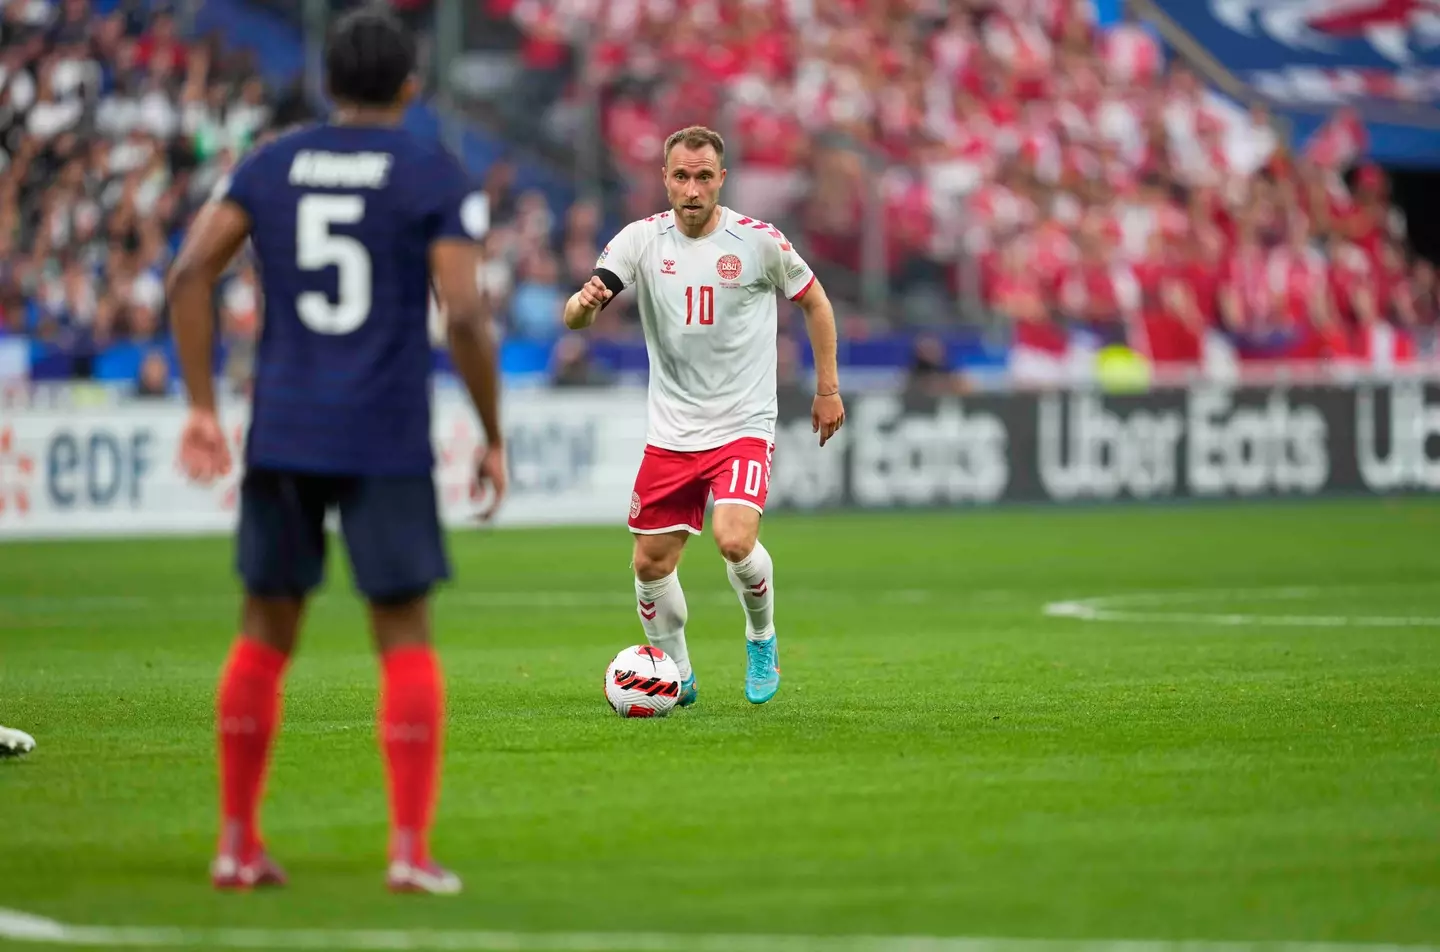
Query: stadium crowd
column 1064, row 174
column 113, row 129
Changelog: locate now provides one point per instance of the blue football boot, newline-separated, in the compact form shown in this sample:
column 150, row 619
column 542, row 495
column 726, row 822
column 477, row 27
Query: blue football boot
column 688, row 691
column 762, row 673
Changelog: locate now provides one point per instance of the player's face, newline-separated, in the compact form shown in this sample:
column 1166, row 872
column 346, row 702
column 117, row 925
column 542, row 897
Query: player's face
column 692, row 181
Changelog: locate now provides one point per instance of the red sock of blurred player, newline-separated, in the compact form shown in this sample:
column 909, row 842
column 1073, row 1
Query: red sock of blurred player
column 247, row 714
column 411, row 710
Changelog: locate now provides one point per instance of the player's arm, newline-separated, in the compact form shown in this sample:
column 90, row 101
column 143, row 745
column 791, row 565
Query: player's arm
column 828, row 411
column 458, row 218
column 591, row 299
column 614, row 272
column 453, row 265
column 211, row 243
column 790, row 274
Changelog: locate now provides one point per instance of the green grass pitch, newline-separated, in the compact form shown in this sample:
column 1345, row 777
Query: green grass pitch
column 1240, row 741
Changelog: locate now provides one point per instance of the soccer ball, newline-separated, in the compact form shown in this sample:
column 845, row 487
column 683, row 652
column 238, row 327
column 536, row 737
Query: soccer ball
column 642, row 681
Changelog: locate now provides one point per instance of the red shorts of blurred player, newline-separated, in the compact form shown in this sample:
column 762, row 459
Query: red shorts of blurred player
column 672, row 487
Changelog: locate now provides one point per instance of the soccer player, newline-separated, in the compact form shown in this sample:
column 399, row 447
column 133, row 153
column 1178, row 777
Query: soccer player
column 13, row 742
column 707, row 277
column 353, row 222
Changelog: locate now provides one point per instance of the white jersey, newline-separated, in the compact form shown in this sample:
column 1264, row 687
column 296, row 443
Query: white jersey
column 708, row 309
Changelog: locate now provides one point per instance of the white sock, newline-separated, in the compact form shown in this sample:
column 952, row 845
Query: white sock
column 752, row 578
column 662, row 610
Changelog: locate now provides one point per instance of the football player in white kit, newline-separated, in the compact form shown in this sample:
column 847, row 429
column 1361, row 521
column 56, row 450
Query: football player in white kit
column 706, row 278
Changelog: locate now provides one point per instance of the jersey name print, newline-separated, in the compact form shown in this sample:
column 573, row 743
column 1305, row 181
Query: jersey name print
column 708, row 309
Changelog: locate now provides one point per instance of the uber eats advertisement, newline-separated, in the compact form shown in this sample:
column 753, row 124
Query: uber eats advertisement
column 1072, row 446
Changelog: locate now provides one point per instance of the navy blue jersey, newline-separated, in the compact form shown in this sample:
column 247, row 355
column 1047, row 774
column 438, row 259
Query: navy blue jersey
column 341, row 220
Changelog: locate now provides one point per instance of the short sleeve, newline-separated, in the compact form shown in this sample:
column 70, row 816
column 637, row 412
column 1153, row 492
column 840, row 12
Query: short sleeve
column 455, row 206
column 785, row 269
column 621, row 257
column 242, row 184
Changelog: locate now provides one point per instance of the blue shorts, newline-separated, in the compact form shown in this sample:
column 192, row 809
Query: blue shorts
column 391, row 526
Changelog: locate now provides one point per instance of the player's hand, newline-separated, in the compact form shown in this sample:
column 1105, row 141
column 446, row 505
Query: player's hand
column 827, row 414
column 204, row 454
column 594, row 293
column 489, row 478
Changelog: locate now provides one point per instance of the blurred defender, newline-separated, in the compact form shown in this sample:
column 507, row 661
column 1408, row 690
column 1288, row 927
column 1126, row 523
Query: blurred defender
column 352, row 221
column 706, row 277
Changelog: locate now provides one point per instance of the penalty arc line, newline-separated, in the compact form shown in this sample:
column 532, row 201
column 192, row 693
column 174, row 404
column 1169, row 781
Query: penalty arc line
column 23, row 927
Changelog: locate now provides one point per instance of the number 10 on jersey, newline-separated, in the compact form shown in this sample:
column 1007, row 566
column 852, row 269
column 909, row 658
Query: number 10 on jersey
column 707, row 304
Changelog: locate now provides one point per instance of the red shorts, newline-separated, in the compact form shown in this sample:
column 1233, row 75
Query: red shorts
column 672, row 487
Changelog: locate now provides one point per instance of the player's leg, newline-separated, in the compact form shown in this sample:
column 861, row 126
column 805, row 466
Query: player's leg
column 666, row 508
column 740, row 480
column 281, row 558
column 660, row 601
column 397, row 553
column 14, row 742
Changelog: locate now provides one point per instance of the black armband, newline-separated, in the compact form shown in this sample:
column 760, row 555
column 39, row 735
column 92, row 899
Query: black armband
column 611, row 281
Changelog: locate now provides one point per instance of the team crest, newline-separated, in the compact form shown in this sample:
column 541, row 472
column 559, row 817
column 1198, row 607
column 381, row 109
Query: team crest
column 729, row 267
column 634, row 505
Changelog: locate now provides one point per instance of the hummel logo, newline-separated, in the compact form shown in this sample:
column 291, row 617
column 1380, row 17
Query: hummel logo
column 647, row 611
column 667, row 266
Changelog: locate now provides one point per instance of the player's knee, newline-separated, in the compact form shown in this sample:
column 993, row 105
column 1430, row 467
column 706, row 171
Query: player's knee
column 735, row 544
column 651, row 564
column 273, row 620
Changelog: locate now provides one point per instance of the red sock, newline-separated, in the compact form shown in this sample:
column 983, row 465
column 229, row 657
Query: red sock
column 247, row 713
column 412, row 709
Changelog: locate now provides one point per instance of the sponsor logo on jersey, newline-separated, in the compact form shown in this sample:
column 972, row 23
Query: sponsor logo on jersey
column 729, row 267
column 603, row 255
column 667, row 266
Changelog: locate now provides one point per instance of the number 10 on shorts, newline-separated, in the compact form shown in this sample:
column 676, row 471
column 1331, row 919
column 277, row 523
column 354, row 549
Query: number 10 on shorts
column 754, row 472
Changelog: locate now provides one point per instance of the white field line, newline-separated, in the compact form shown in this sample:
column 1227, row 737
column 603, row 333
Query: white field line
column 22, row 927
column 1151, row 608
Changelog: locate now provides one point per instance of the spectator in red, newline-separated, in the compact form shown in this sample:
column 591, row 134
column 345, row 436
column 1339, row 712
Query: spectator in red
column 1151, row 270
column 1298, row 279
column 1040, row 343
column 1100, row 291
column 1189, row 300
column 1424, row 293
column 161, row 49
column 1396, row 299
column 1355, row 289
column 1246, row 304
column 1371, row 220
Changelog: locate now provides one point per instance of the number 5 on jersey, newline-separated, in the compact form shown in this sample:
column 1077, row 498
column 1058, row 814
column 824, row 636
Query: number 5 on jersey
column 317, row 247
column 707, row 304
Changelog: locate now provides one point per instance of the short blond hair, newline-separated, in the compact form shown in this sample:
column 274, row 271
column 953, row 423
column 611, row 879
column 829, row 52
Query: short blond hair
column 696, row 137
